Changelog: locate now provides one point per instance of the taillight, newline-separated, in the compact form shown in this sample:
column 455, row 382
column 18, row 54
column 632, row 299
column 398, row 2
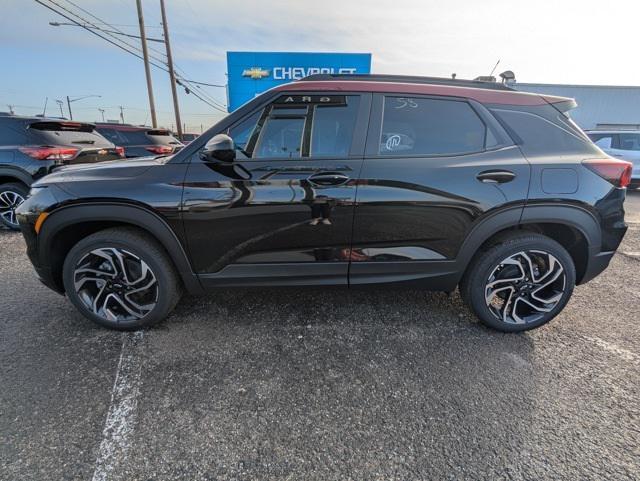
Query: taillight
column 120, row 151
column 616, row 171
column 160, row 149
column 58, row 154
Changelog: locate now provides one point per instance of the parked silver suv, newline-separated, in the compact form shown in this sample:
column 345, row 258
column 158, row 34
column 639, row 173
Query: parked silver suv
column 623, row 144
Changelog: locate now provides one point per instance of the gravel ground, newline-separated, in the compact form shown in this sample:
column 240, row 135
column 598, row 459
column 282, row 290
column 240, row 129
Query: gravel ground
column 333, row 384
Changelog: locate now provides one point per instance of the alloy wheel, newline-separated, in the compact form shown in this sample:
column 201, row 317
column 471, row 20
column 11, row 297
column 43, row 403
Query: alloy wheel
column 9, row 201
column 115, row 284
column 525, row 286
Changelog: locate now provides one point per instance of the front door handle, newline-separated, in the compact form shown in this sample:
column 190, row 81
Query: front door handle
column 328, row 178
column 496, row 176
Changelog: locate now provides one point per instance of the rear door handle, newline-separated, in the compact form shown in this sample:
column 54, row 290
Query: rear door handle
column 496, row 176
column 328, row 178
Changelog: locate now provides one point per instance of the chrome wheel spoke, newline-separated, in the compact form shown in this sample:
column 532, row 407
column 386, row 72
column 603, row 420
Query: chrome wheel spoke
column 9, row 201
column 525, row 286
column 115, row 284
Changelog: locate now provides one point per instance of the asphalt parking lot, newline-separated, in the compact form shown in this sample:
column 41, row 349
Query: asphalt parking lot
column 365, row 385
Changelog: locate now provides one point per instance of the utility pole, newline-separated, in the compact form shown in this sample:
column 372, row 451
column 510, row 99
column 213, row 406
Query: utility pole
column 60, row 103
column 44, row 110
column 102, row 112
column 11, row 111
column 172, row 74
column 122, row 114
column 69, row 105
column 147, row 69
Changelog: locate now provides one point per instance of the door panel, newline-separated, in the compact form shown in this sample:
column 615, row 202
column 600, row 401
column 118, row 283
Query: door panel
column 413, row 209
column 268, row 211
column 243, row 219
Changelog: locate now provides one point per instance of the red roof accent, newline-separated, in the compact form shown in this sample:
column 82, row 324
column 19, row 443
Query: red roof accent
column 485, row 96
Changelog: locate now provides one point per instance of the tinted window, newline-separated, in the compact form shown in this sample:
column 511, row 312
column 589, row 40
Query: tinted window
column 12, row 133
column 241, row 133
column 629, row 142
column 126, row 137
column 280, row 137
column 50, row 133
column 604, row 141
column 542, row 130
column 415, row 126
column 332, row 128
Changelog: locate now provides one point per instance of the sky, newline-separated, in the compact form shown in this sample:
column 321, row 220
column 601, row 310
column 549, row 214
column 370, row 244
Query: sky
column 559, row 41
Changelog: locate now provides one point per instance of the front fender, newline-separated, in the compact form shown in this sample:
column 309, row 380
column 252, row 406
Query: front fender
column 132, row 215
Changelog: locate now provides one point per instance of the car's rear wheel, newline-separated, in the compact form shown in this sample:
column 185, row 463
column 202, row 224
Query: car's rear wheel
column 121, row 278
column 11, row 196
column 519, row 284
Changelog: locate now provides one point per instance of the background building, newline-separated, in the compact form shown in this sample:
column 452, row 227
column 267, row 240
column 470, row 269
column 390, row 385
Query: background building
column 251, row 73
column 599, row 106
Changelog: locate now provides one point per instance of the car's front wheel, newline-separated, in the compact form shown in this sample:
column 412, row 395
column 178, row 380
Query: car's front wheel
column 11, row 196
column 121, row 278
column 519, row 284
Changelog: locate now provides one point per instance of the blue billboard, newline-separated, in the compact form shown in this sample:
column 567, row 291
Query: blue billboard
column 251, row 73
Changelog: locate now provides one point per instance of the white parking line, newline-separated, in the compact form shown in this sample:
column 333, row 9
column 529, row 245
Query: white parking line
column 608, row 346
column 121, row 418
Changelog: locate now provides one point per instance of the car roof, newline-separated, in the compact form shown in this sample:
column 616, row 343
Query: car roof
column 405, row 85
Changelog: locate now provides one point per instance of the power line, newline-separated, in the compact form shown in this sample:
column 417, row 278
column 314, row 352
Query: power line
column 207, row 99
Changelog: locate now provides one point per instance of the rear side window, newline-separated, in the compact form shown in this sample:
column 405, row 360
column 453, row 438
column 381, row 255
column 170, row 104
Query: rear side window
column 543, row 130
column 420, row 126
column 629, row 142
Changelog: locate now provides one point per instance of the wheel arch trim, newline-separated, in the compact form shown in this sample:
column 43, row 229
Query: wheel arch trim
column 17, row 174
column 566, row 214
column 132, row 215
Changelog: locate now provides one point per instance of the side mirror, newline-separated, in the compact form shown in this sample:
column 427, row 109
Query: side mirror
column 220, row 148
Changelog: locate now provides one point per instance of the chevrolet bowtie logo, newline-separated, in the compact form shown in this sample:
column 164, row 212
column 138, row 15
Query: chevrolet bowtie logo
column 255, row 73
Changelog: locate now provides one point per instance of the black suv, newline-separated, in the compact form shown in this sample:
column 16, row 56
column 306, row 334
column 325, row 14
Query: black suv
column 343, row 180
column 31, row 147
column 140, row 141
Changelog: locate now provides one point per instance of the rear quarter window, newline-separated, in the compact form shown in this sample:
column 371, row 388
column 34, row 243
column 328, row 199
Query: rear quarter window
column 13, row 133
column 543, row 130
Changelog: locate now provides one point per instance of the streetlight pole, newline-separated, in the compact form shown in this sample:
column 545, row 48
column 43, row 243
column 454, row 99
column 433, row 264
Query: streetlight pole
column 102, row 112
column 147, row 69
column 172, row 74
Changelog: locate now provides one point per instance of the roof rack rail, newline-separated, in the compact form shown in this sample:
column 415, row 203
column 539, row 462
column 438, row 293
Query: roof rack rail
column 408, row 79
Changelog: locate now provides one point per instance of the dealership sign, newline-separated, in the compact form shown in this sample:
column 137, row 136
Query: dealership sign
column 251, row 73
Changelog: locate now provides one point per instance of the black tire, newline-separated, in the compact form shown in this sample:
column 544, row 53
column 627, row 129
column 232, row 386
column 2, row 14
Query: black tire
column 10, row 193
column 132, row 253
column 490, row 274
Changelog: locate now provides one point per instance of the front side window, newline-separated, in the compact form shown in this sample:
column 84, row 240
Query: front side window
column 419, row 126
column 241, row 133
column 280, row 137
column 333, row 127
column 299, row 126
